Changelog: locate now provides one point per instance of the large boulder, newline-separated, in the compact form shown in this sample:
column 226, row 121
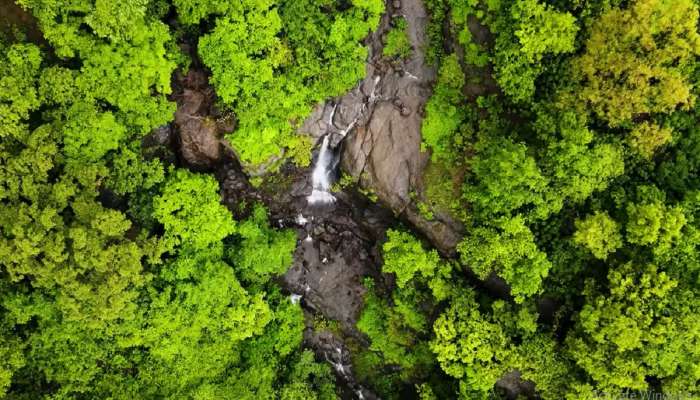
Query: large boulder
column 199, row 124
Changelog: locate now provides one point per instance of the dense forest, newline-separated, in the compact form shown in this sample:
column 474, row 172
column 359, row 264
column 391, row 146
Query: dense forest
column 560, row 139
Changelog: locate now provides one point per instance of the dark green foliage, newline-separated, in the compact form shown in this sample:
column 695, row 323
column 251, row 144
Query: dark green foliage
column 398, row 328
column 579, row 190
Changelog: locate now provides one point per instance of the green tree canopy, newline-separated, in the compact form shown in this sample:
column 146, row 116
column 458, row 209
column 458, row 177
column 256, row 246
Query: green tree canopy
column 598, row 233
column 637, row 60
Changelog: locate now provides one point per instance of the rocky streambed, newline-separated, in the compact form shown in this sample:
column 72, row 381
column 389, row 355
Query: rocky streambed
column 371, row 134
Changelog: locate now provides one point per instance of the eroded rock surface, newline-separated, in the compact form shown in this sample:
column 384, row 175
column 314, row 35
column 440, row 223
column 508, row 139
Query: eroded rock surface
column 199, row 124
column 379, row 124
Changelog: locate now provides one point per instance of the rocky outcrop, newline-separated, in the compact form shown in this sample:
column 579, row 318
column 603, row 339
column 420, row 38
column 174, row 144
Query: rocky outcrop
column 337, row 247
column 333, row 350
column 379, row 124
column 199, row 124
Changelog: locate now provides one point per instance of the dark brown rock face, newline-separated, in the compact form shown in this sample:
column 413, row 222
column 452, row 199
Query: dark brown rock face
column 199, row 125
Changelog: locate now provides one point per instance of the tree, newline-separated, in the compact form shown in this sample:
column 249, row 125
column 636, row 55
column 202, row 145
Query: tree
column 444, row 111
column 272, row 62
column 405, row 256
column 261, row 252
column 646, row 138
column 654, row 224
column 190, row 209
column 508, row 178
column 508, row 249
column 576, row 161
column 397, row 42
column 598, row 233
column 19, row 68
column 193, row 324
column 397, row 331
column 471, row 348
column 530, row 31
column 637, row 60
column 638, row 330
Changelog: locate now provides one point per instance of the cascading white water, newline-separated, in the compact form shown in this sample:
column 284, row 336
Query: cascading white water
column 320, row 178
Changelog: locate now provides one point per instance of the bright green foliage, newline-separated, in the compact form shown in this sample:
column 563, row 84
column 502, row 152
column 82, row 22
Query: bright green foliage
column 124, row 71
column 508, row 249
column 637, row 60
column 190, row 210
column 598, row 233
column 539, row 360
column 395, row 332
column 193, row 324
column 126, row 75
column 645, row 138
column 636, row 331
column 444, row 111
column 542, row 30
column 469, row 347
column 116, row 20
column 262, row 251
column 271, row 365
column 90, row 135
column 192, row 11
column 272, row 61
column 397, row 43
column 19, row 67
column 94, row 304
column 532, row 31
column 576, row 165
column 131, row 173
column 62, row 23
column 68, row 266
column 654, row 223
column 579, row 178
column 405, row 256
column 508, row 179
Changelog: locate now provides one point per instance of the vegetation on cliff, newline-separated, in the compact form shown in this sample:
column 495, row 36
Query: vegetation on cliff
column 576, row 177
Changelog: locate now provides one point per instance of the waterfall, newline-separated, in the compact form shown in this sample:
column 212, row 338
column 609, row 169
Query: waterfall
column 320, row 178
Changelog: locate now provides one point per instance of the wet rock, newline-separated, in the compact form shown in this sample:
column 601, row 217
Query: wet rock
column 329, row 269
column 513, row 386
column 331, row 349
